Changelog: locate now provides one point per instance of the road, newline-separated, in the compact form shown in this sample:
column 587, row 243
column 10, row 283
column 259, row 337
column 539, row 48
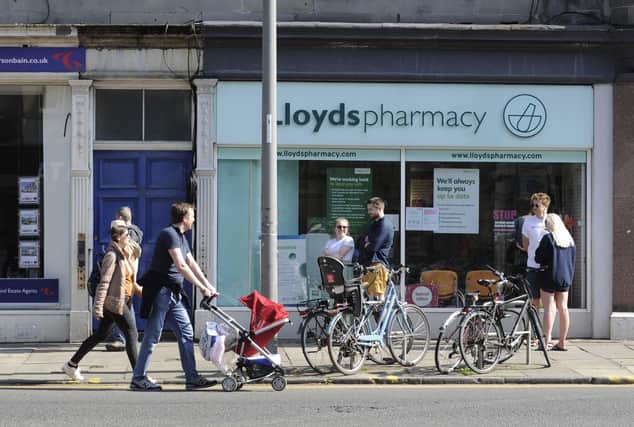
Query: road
column 393, row 405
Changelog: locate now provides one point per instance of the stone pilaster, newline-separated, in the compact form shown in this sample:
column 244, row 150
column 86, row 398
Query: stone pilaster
column 81, row 205
column 205, row 173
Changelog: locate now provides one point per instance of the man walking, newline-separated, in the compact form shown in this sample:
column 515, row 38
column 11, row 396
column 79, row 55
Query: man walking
column 164, row 299
column 377, row 247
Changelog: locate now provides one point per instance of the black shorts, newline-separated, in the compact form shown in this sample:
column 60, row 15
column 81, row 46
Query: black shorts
column 533, row 281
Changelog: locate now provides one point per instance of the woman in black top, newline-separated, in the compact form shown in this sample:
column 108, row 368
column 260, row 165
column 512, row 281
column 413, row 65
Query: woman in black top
column 556, row 253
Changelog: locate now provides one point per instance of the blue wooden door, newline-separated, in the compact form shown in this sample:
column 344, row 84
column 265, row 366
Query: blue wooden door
column 146, row 181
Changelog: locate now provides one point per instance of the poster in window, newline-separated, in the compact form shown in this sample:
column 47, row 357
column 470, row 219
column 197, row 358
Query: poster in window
column 29, row 220
column 457, row 198
column 29, row 254
column 291, row 269
column 347, row 193
column 29, row 190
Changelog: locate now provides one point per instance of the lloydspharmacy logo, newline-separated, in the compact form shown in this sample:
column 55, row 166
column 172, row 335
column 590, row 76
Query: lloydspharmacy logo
column 525, row 115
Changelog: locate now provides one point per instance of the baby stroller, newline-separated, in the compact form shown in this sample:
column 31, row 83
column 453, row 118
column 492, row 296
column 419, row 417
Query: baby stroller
column 267, row 318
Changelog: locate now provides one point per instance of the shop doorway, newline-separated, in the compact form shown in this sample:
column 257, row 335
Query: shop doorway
column 146, row 181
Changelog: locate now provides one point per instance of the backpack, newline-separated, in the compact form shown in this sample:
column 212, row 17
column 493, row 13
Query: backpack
column 95, row 274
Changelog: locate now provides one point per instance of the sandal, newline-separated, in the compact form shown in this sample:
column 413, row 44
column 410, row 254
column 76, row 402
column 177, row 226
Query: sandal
column 557, row 348
column 539, row 347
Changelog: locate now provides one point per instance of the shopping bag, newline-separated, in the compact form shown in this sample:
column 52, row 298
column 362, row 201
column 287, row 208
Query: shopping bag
column 212, row 343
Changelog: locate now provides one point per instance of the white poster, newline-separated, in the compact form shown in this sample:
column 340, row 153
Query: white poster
column 457, row 198
column 29, row 222
column 413, row 219
column 291, row 269
column 430, row 219
column 29, row 254
column 29, row 190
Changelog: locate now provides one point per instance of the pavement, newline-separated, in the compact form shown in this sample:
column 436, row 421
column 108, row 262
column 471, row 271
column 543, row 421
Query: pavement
column 586, row 362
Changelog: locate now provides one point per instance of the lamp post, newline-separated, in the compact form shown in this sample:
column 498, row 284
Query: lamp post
column 268, row 257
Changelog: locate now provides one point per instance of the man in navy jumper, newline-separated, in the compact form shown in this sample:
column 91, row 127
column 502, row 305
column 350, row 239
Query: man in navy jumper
column 378, row 245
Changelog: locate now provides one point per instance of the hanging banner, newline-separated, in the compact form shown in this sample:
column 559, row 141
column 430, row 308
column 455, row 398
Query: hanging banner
column 348, row 190
column 457, row 198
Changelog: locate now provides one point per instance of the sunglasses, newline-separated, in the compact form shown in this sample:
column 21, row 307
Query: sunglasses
column 342, row 227
column 536, row 205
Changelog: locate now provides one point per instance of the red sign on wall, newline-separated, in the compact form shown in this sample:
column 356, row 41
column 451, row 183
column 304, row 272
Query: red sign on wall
column 422, row 295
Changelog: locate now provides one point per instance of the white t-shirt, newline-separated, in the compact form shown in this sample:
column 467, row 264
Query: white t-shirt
column 533, row 229
column 333, row 247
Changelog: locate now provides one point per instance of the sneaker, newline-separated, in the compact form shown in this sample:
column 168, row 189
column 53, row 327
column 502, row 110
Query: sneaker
column 200, row 383
column 115, row 346
column 73, row 372
column 144, row 385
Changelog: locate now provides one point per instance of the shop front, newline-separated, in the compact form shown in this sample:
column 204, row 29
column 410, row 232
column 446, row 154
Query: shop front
column 457, row 164
column 36, row 88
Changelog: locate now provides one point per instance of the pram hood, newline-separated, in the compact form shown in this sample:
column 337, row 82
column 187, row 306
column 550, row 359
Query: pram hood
column 264, row 312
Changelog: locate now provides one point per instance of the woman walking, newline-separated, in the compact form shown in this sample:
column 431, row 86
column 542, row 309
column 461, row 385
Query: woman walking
column 113, row 300
column 556, row 252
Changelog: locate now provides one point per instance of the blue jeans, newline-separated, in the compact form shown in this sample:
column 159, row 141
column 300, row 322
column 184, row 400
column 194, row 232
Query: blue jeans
column 116, row 335
column 167, row 307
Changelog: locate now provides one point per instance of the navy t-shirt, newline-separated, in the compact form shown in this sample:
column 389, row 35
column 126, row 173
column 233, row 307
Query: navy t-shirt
column 169, row 238
column 380, row 237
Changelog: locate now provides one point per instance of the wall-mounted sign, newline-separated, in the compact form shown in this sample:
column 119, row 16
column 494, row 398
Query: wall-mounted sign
column 42, row 59
column 29, row 222
column 439, row 115
column 29, row 291
column 29, row 190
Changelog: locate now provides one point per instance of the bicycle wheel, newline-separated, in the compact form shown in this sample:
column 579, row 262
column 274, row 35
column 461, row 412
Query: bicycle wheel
column 447, row 354
column 479, row 341
column 510, row 317
column 314, row 340
column 346, row 354
column 408, row 334
column 538, row 331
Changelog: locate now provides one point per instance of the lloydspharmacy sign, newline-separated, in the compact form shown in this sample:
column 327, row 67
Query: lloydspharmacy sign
column 380, row 116
column 416, row 115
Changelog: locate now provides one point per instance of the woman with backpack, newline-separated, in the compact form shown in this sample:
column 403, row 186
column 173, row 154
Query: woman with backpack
column 113, row 300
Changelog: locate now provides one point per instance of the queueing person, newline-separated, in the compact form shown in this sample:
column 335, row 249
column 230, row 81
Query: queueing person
column 341, row 245
column 164, row 299
column 557, row 253
column 113, row 300
column 533, row 230
column 377, row 246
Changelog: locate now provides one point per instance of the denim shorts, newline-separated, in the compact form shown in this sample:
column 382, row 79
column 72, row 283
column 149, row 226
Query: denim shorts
column 533, row 281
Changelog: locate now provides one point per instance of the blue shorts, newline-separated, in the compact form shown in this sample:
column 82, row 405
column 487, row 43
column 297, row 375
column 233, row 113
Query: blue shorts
column 533, row 282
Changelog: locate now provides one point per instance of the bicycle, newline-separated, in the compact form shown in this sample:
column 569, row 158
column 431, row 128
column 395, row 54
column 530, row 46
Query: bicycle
column 316, row 317
column 484, row 341
column 403, row 328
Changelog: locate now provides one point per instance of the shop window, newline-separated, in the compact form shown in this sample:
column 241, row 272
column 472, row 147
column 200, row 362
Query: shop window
column 21, row 196
column 143, row 115
column 307, row 207
column 480, row 231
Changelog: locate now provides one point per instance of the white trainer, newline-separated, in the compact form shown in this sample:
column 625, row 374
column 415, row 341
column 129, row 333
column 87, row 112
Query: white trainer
column 72, row 372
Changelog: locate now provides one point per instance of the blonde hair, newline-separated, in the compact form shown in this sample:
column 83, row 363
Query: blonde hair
column 558, row 229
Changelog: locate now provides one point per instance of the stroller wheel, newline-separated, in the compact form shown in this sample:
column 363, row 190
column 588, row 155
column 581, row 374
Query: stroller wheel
column 229, row 384
column 278, row 383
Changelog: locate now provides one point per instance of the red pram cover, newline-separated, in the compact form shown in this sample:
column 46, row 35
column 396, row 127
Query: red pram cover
column 263, row 313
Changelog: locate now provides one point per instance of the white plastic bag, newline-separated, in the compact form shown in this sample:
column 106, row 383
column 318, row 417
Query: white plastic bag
column 212, row 343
